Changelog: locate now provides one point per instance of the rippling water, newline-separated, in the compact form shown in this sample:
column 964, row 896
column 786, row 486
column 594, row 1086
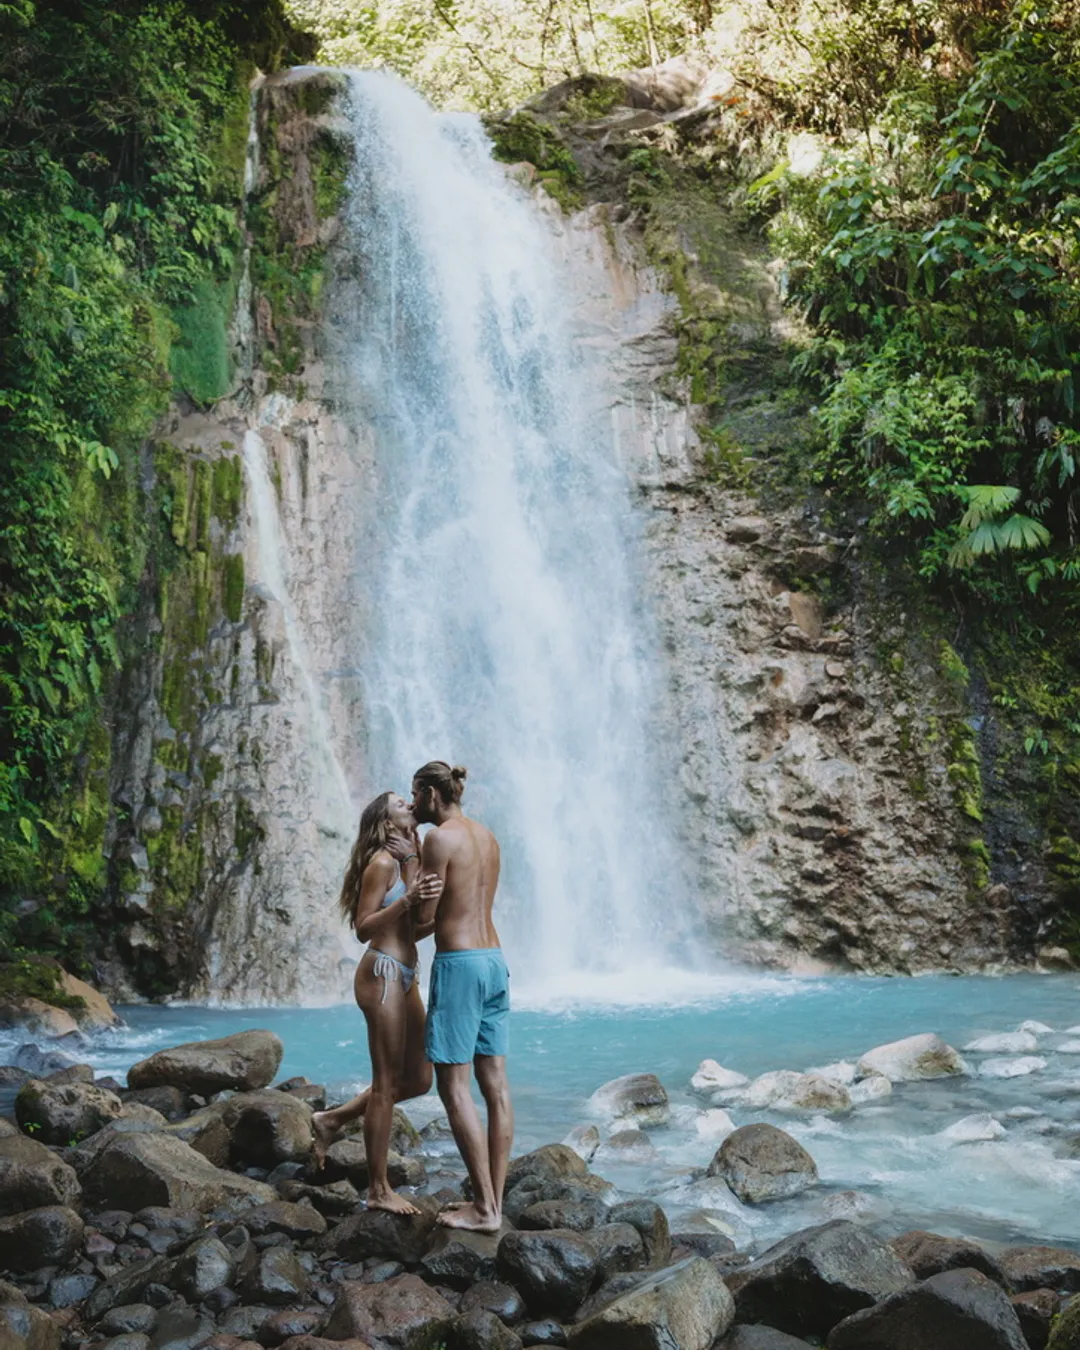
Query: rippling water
column 1020, row 1187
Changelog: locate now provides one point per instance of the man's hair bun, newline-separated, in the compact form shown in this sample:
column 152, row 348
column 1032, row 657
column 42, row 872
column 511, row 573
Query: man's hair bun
column 459, row 772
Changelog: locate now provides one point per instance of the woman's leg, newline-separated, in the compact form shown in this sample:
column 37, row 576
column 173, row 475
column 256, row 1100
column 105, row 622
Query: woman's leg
column 387, row 1022
column 326, row 1125
column 416, row 1073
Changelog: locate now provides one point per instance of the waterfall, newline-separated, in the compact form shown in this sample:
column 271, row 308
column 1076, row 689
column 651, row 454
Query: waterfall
column 506, row 629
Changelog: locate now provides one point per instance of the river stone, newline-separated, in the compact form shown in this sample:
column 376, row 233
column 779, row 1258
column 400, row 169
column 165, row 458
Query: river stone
column 552, row 1270
column 636, row 1098
column 1012, row 1067
column 180, row 1328
column 494, row 1296
column 242, row 1062
column 618, row 1247
column 1041, row 1268
column 399, row 1314
column 627, row 1146
column 23, row 1327
column 760, row 1337
column 64, row 1112
column 278, row 1277
column 156, row 1169
column 7, row 1129
column 955, row 1308
column 206, row 1132
column 459, row 1258
column 49, row 1236
column 705, row 1242
column 584, row 1140
column 760, row 1163
column 979, row 1128
column 479, row 1329
column 68, row 1290
column 206, row 1264
column 711, row 1077
column 132, row 1317
column 290, row 1323
column 40, row 1063
column 929, row 1254
column 127, row 1286
column 713, row 1125
column 339, row 1198
column 245, row 1320
column 808, row 1282
column 651, row 1222
column 912, row 1059
column 31, row 1176
column 1004, row 1043
column 295, row 1221
column 268, row 1128
column 36, row 1017
column 314, row 1343
column 346, row 1160
column 377, row 1232
column 870, row 1089
column 685, row 1305
column 784, row 1090
column 1036, row 1310
column 580, row 1215
column 533, row 1190
column 173, row 1104
column 145, row 1115
column 545, row 1331
column 552, row 1162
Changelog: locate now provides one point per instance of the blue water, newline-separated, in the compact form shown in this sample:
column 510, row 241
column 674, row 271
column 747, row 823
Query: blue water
column 1020, row 1187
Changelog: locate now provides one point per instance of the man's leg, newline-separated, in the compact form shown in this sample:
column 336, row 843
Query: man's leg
column 491, row 1076
column 483, row 1215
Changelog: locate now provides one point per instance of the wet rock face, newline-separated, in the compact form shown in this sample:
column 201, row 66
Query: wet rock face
column 760, row 1163
column 687, row 1305
column 155, row 1169
column 49, row 1236
column 958, row 1307
column 396, row 1315
column 32, row 1176
column 61, row 1112
column 553, row 1270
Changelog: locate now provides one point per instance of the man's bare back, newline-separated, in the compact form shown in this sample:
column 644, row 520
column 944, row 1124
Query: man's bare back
column 466, row 855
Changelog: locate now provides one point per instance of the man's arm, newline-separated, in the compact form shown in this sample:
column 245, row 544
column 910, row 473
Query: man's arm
column 434, row 858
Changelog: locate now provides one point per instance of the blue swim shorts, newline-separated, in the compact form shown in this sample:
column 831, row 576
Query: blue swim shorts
column 468, row 1006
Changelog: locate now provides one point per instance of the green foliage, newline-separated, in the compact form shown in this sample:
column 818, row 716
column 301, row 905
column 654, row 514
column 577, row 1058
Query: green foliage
column 122, row 129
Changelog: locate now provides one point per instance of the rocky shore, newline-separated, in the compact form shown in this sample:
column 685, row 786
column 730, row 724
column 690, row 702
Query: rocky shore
column 183, row 1212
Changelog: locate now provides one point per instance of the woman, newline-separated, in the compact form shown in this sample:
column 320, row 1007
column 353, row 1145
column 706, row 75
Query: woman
column 382, row 890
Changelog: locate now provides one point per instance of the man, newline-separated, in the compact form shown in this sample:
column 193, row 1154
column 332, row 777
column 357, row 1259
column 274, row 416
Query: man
column 469, row 998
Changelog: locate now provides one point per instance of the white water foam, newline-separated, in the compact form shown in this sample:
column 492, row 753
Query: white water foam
column 508, row 630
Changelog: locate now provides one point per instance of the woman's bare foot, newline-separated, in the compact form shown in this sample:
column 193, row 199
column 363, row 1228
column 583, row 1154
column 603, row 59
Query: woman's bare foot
column 384, row 1198
column 325, row 1134
column 470, row 1217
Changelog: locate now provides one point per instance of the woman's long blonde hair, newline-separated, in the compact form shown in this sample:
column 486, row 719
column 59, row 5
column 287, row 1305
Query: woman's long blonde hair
column 374, row 832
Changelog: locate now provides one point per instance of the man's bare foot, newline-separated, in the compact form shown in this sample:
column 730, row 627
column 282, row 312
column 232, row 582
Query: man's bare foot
column 390, row 1200
column 325, row 1134
column 470, row 1217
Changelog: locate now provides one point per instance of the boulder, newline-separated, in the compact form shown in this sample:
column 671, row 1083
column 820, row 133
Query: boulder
column 242, row 1062
column 333, row 1201
column 96, row 1014
column 618, row 1248
column 459, row 1259
column 31, row 1176
column 912, row 1059
column 651, row 1223
column 154, row 1169
column 552, row 1162
column 346, row 1160
column 979, row 1128
column 399, row 1314
column 279, row 1216
column 580, row 1215
column 685, row 1305
column 1041, row 1268
column 267, row 1128
column 64, row 1113
column 1065, row 1331
column 308, row 1343
column 49, row 1236
column 170, row 1101
column 711, row 1077
column 808, row 1282
column 714, row 1125
column 377, row 1232
column 25, row 1328
column 36, row 1017
column 929, row 1254
column 636, row 1098
column 206, row 1132
column 584, row 1140
column 956, row 1308
column 760, row 1337
column 40, row 1063
column 494, row 1296
column 631, row 1146
column 761, row 1163
column 1004, row 1043
column 206, row 1264
column 1036, row 1310
column 144, row 1115
column 479, row 1329
column 277, row 1278
column 787, row 1091
column 552, row 1270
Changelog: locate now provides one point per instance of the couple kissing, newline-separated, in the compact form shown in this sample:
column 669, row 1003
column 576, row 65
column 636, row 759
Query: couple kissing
column 397, row 891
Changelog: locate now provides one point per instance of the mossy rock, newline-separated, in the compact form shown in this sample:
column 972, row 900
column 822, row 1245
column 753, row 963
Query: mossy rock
column 39, row 978
column 1065, row 1333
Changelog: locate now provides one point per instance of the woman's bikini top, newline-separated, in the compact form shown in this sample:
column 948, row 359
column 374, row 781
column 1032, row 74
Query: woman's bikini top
column 397, row 890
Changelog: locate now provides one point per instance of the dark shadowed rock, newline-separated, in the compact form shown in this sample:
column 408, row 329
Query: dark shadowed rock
column 552, row 1270
column 291, row 1322
column 957, row 1308
column 332, row 1201
column 68, row 1290
column 612, row 1288
column 685, row 1305
column 279, row 1216
column 482, row 1330
column 49, row 1236
column 40, row 1063
column 760, row 1163
column 533, row 1190
column 578, row 1215
column 1036, row 1310
column 495, row 1296
column 707, row 1244
column 375, row 1232
column 618, row 1247
column 206, row 1132
column 929, row 1254
column 552, row 1162
column 278, row 1277
column 131, row 1340
column 28, row 1328
column 132, row 1317
column 651, row 1222
column 1041, row 1268
column 404, row 1136
column 60, row 1112
column 244, row 1320
column 459, row 1259
column 170, row 1101
column 180, row 1328
column 126, row 1287
column 242, row 1062
column 207, row 1264
column 545, row 1331
column 760, row 1338
column 31, row 1176
column 1065, row 1332
column 268, row 1128
column 154, row 1169
column 815, row 1278
column 321, row 1343
column 401, row 1314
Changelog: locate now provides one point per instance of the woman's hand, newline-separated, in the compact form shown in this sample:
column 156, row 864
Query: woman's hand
column 424, row 891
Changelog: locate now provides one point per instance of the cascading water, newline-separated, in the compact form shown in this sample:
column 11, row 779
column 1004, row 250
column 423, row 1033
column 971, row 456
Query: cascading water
column 506, row 633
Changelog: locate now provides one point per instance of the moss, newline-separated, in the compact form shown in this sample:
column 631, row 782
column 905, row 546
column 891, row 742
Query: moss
column 233, row 586
column 36, row 977
column 200, row 360
column 247, row 832
column 228, row 488
column 522, row 136
column 331, row 158
column 212, row 767
column 176, row 857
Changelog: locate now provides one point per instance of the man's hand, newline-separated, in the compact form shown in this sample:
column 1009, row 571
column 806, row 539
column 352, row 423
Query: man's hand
column 402, row 846
column 425, row 890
